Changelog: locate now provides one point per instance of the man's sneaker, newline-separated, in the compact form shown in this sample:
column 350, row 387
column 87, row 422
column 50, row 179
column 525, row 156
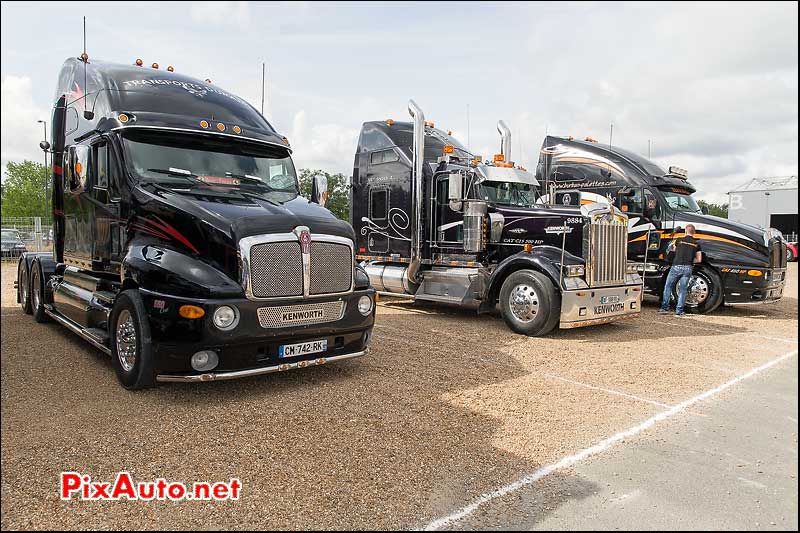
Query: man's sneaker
column 680, row 315
column 663, row 311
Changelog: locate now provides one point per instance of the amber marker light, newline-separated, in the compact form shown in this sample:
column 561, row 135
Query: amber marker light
column 499, row 158
column 123, row 118
column 208, row 80
column 237, row 129
column 170, row 69
column 390, row 121
column 448, row 149
column 78, row 167
column 139, row 62
column 220, row 126
column 191, row 311
column 204, row 124
column 528, row 248
column 754, row 273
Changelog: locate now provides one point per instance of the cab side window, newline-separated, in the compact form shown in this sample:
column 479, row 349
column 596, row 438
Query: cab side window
column 101, row 166
column 383, row 156
column 442, row 190
column 378, row 204
column 632, row 203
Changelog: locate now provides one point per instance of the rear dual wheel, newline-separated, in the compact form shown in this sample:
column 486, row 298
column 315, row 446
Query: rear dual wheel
column 23, row 287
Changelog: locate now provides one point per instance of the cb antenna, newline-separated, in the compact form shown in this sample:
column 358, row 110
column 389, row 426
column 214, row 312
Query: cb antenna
column 263, row 85
column 85, row 59
column 611, row 135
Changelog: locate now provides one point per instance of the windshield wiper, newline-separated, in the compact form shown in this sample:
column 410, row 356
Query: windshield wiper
column 173, row 172
column 258, row 181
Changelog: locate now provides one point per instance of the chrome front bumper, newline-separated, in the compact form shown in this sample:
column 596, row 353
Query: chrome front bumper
column 589, row 307
column 236, row 374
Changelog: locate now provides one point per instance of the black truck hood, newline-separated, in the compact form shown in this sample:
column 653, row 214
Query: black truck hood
column 209, row 226
column 708, row 223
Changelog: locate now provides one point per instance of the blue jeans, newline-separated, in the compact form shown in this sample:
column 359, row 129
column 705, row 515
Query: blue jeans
column 680, row 274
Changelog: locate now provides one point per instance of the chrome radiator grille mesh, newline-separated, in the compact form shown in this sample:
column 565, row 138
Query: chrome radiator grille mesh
column 276, row 269
column 607, row 253
column 331, row 268
column 300, row 315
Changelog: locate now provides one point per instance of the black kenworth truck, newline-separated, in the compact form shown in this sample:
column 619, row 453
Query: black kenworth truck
column 435, row 223
column 182, row 247
column 741, row 264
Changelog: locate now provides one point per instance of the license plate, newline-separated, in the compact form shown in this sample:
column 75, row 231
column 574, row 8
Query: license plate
column 303, row 348
column 613, row 299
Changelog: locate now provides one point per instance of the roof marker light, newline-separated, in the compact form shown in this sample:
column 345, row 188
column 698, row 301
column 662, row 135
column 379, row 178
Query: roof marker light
column 590, row 140
column 139, row 62
column 85, row 57
column 448, row 149
column 499, row 158
column 170, row 69
column 220, row 126
column 429, row 124
column 450, row 132
column 390, row 121
column 237, row 129
column 155, row 65
column 123, row 118
column 208, row 80
column 286, row 141
column 204, row 124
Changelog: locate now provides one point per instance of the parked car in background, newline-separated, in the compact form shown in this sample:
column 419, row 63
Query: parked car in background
column 791, row 251
column 12, row 244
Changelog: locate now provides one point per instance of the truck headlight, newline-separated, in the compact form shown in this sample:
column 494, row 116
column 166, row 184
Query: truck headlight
column 572, row 271
column 226, row 317
column 365, row 305
column 633, row 268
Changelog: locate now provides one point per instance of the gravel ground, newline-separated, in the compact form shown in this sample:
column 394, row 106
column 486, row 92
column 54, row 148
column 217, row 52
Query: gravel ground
column 446, row 406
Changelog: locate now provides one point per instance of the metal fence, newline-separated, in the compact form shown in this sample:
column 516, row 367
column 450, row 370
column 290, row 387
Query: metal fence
column 25, row 234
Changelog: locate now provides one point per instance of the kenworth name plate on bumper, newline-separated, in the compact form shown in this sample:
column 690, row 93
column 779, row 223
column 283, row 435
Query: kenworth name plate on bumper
column 597, row 306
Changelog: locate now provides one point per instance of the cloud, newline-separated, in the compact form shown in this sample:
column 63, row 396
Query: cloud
column 217, row 13
column 21, row 133
column 322, row 146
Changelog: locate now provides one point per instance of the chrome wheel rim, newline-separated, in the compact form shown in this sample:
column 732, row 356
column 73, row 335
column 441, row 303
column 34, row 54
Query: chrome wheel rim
column 698, row 290
column 126, row 341
column 523, row 303
column 23, row 285
column 35, row 289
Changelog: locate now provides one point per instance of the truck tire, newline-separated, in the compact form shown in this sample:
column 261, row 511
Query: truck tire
column 37, row 293
column 790, row 255
column 23, row 287
column 705, row 291
column 131, row 343
column 530, row 303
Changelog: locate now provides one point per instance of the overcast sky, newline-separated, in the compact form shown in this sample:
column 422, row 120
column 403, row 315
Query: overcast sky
column 713, row 86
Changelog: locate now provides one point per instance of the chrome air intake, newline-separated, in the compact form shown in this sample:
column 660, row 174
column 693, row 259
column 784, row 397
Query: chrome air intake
column 474, row 220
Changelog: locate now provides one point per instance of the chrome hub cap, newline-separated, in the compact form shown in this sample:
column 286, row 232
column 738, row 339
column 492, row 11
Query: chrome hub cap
column 35, row 289
column 23, row 285
column 698, row 290
column 126, row 341
column 524, row 303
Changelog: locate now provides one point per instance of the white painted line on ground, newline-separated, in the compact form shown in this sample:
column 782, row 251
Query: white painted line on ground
column 610, row 391
column 598, row 448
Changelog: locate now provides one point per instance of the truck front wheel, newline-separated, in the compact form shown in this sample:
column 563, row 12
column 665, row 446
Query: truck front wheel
column 705, row 291
column 131, row 344
column 530, row 303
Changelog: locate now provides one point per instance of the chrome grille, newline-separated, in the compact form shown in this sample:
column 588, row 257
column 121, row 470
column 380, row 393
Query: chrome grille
column 276, row 269
column 300, row 315
column 331, row 268
column 606, row 252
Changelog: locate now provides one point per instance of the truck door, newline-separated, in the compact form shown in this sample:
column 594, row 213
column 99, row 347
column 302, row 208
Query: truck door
column 448, row 224
column 78, row 206
column 642, row 209
column 106, row 195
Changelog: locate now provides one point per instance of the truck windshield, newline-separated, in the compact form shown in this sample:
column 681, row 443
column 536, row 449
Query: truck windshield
column 680, row 201
column 503, row 192
column 167, row 158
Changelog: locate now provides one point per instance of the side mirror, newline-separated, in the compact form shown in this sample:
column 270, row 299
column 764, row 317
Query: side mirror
column 654, row 241
column 704, row 209
column 319, row 189
column 454, row 187
column 44, row 145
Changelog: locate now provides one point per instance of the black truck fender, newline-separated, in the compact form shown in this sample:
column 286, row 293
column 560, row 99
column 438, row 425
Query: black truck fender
column 544, row 259
column 162, row 269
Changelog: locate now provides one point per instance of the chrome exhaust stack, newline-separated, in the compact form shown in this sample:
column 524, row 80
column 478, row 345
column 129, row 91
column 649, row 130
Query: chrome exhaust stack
column 416, row 196
column 505, row 140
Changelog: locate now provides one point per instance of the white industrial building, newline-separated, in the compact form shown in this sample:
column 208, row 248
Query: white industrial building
column 766, row 203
